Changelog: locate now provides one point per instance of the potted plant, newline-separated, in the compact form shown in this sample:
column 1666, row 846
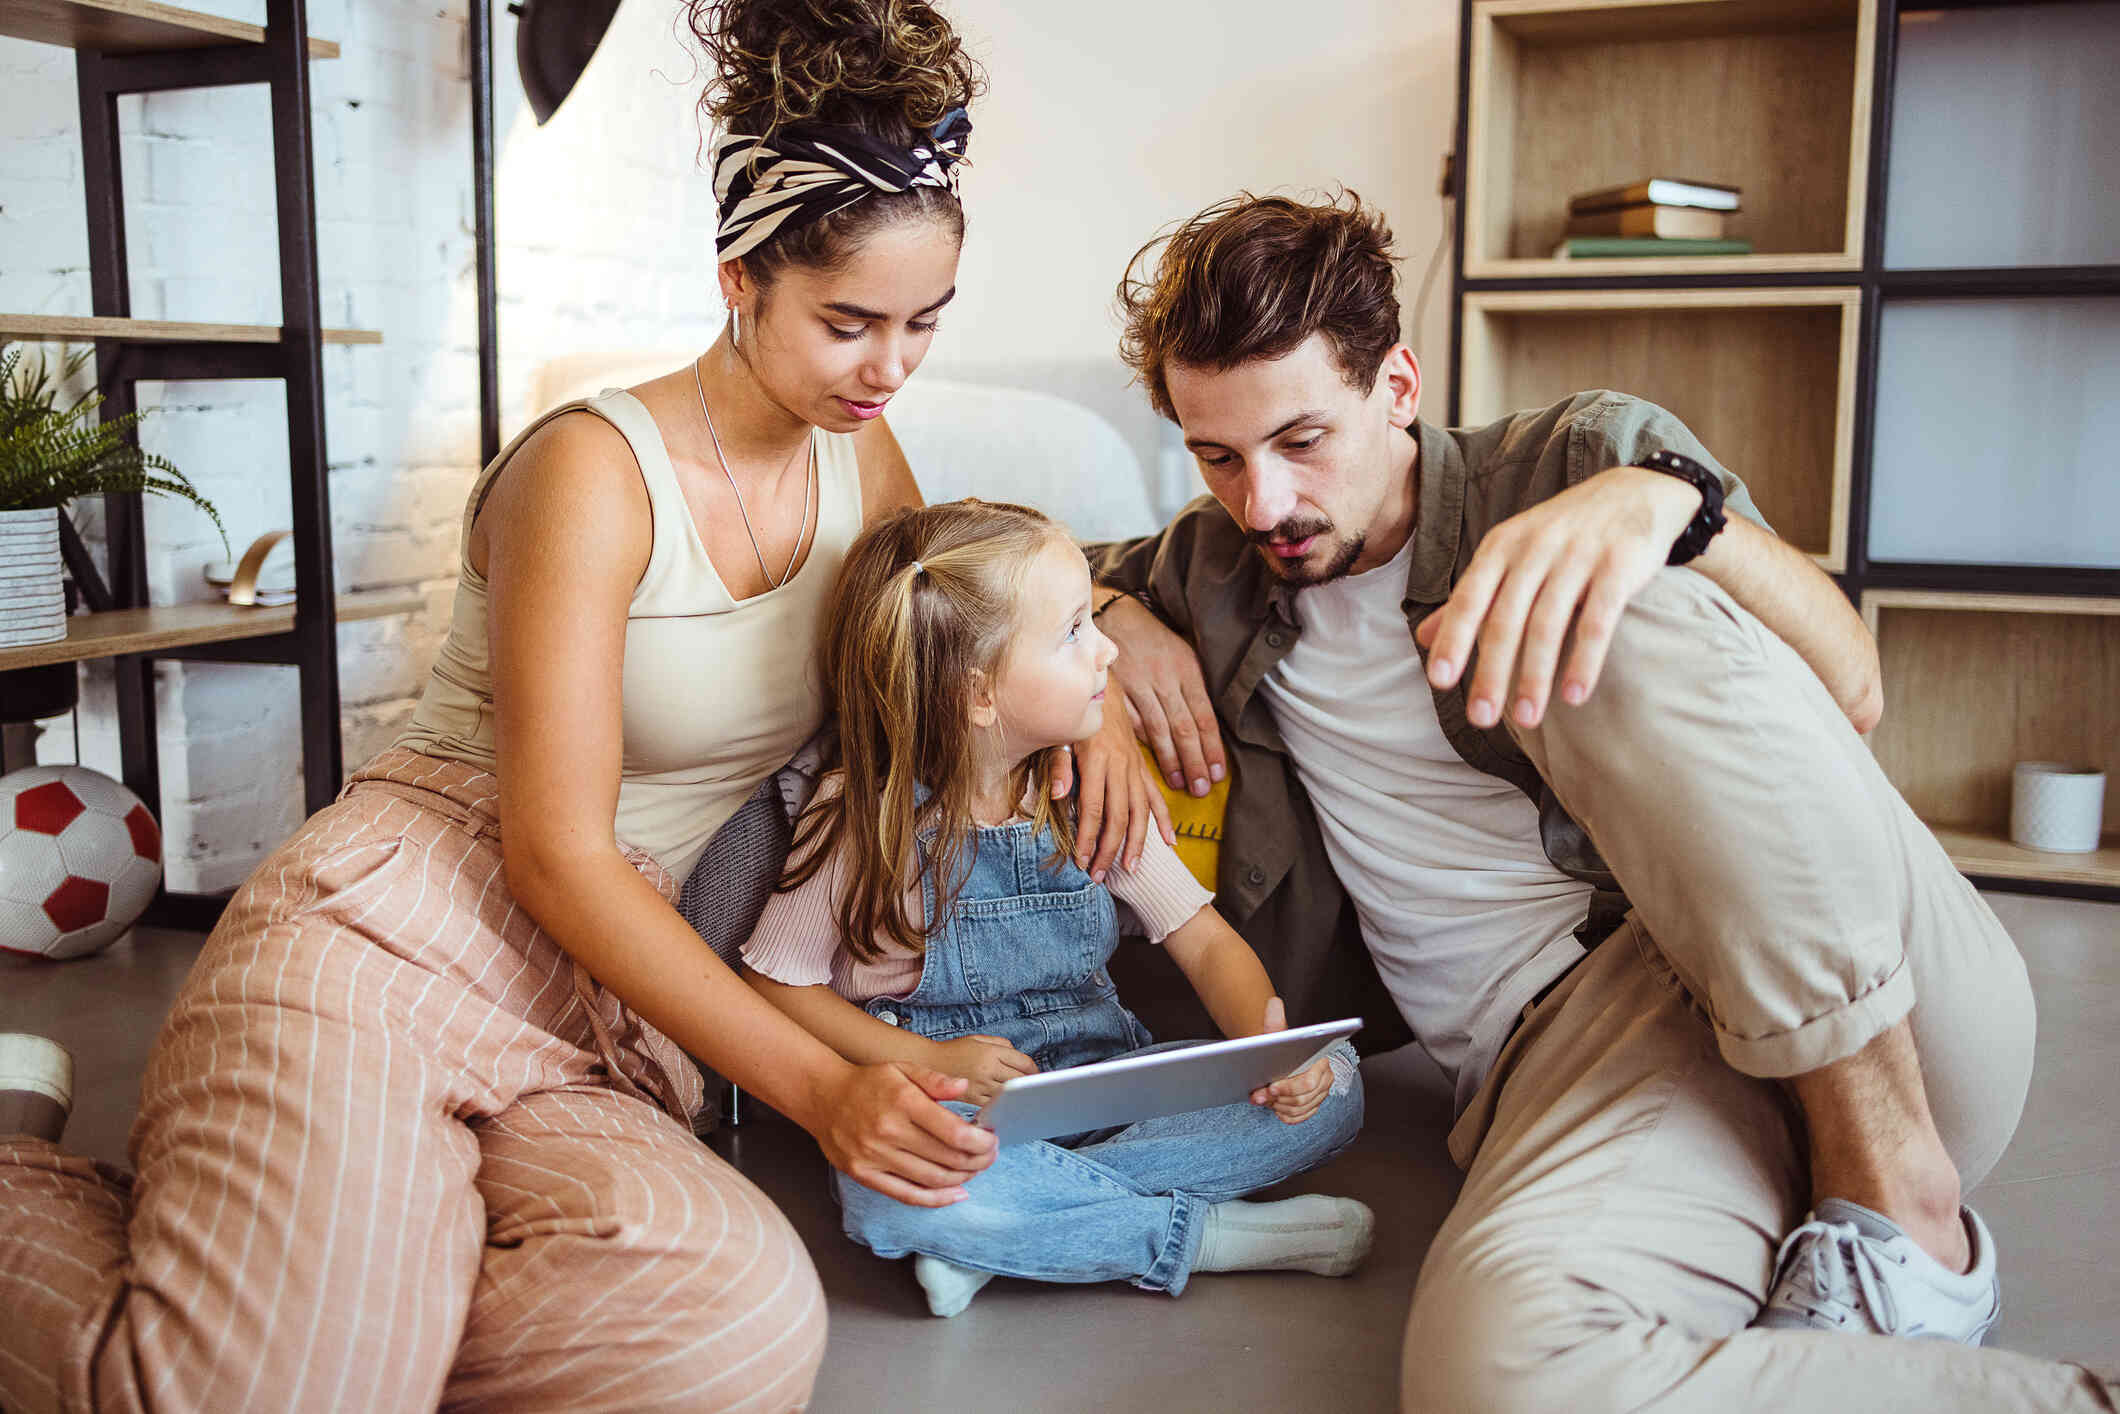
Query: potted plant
column 49, row 454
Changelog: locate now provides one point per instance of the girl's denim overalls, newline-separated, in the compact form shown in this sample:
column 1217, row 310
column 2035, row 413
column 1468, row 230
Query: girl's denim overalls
column 1022, row 955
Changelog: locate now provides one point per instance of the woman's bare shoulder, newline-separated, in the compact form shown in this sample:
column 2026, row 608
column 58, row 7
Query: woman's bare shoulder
column 575, row 475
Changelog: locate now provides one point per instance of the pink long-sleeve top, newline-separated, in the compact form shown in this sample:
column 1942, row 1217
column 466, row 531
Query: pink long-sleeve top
column 797, row 938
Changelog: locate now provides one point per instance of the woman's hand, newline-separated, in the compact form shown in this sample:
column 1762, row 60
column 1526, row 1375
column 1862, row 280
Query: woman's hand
column 1166, row 697
column 1294, row 1098
column 881, row 1126
column 1117, row 798
column 985, row 1063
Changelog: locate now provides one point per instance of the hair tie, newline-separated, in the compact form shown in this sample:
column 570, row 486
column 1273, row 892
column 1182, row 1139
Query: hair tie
column 806, row 171
column 919, row 568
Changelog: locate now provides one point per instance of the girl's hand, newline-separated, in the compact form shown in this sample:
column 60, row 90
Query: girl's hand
column 880, row 1125
column 1117, row 799
column 986, row 1063
column 1294, row 1098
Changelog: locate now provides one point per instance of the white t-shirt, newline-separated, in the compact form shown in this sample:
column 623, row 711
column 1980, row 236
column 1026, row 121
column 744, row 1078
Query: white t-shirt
column 1465, row 915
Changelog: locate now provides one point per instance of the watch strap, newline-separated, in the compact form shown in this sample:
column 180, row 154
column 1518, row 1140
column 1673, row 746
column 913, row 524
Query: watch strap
column 1709, row 520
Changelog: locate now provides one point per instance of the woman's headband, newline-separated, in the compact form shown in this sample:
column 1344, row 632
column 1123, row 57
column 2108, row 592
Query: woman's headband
column 806, row 171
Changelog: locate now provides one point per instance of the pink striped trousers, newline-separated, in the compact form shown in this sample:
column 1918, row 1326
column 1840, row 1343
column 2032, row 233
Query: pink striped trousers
column 396, row 1151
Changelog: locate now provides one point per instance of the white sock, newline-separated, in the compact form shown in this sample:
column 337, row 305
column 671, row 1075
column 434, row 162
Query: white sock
column 1309, row 1233
column 949, row 1287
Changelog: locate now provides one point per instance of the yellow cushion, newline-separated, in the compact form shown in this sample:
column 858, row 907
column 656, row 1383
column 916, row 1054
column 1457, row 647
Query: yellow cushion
column 1196, row 820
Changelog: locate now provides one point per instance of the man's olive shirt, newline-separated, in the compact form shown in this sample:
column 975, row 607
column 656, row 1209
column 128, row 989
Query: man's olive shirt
column 1204, row 579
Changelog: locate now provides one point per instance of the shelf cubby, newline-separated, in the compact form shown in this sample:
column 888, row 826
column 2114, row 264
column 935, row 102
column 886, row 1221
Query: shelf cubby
column 2002, row 150
column 2022, row 473
column 1973, row 684
column 1765, row 378
column 1568, row 96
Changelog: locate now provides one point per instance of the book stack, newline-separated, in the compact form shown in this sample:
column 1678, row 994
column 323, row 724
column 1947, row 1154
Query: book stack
column 1659, row 216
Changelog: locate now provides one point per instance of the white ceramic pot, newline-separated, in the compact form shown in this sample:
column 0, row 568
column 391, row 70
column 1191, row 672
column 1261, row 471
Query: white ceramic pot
column 2056, row 807
column 32, row 603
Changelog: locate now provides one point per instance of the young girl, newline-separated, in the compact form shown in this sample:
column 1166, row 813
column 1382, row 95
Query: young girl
column 933, row 916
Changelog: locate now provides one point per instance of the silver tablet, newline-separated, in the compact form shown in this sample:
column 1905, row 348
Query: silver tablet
column 1142, row 1087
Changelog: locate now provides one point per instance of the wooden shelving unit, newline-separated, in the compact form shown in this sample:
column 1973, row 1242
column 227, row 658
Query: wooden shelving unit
column 2049, row 674
column 125, row 47
column 1773, row 358
column 1567, row 96
column 1742, row 368
column 130, row 27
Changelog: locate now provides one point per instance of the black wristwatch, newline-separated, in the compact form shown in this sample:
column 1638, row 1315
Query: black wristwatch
column 1710, row 520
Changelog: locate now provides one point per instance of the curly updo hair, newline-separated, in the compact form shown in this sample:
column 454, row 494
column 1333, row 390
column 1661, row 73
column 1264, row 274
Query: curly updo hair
column 891, row 68
column 1252, row 277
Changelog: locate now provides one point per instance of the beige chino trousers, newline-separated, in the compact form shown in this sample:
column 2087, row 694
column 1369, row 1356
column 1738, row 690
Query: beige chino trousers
column 396, row 1151
column 1632, row 1161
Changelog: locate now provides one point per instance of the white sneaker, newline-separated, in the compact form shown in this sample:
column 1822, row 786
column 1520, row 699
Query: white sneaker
column 36, row 1085
column 1849, row 1269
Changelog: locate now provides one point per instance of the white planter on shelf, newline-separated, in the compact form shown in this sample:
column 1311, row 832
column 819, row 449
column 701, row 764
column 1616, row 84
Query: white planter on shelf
column 32, row 603
column 2057, row 807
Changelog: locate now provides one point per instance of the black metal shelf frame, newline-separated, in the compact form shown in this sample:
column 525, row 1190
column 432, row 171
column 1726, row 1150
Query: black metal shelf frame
column 1879, row 286
column 2018, row 282
column 282, row 63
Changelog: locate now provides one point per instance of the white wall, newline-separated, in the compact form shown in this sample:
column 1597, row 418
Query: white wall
column 1106, row 121
column 1110, row 118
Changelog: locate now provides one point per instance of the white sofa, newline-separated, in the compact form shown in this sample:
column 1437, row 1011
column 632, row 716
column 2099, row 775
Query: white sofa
column 962, row 439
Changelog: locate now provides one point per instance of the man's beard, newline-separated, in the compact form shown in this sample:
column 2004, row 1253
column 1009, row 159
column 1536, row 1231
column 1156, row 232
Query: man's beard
column 1294, row 572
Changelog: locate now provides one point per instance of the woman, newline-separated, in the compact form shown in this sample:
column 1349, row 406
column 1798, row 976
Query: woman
column 415, row 1132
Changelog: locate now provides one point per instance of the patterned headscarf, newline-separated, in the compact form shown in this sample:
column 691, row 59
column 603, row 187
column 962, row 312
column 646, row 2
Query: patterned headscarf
column 806, row 171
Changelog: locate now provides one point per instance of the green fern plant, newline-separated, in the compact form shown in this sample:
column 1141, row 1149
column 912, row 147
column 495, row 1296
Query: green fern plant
column 51, row 454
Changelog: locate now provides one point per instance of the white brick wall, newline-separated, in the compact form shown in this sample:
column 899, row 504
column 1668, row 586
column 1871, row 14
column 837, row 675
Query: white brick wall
column 603, row 225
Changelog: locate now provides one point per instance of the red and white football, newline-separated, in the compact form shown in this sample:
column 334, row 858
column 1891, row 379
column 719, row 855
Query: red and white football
column 79, row 859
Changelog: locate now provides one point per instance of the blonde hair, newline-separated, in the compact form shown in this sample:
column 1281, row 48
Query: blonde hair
column 927, row 603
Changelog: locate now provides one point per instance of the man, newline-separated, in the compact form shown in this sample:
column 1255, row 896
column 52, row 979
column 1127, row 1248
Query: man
column 1649, row 1100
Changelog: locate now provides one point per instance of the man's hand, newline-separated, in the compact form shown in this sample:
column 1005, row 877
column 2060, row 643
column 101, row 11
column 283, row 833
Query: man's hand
column 881, row 1127
column 1294, row 1098
column 986, row 1063
column 1118, row 798
column 1576, row 559
column 1166, row 698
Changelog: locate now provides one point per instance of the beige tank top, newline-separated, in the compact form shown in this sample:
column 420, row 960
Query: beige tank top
column 717, row 692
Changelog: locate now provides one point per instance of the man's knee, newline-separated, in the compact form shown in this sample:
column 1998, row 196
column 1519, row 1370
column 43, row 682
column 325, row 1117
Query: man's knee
column 1679, row 632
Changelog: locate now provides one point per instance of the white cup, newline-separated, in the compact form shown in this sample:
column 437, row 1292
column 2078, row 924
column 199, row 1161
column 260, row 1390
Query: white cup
column 2056, row 807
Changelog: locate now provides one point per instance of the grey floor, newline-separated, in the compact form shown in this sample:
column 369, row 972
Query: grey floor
column 1265, row 1342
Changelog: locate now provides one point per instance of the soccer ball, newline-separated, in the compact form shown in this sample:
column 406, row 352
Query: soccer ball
column 79, row 859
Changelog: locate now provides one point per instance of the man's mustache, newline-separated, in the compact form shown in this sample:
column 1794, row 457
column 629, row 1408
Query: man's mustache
column 1288, row 532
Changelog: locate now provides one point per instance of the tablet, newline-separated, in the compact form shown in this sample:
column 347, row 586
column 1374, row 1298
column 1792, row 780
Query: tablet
column 1139, row 1087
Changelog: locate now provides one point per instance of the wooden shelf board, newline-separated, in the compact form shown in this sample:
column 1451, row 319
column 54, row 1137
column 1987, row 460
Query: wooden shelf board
column 1951, row 600
column 178, row 625
column 130, row 27
column 1575, row 21
column 1986, row 852
column 1769, row 263
column 66, row 328
column 1653, row 301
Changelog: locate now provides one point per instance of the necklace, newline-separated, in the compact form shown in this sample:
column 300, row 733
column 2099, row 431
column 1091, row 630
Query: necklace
column 809, row 490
